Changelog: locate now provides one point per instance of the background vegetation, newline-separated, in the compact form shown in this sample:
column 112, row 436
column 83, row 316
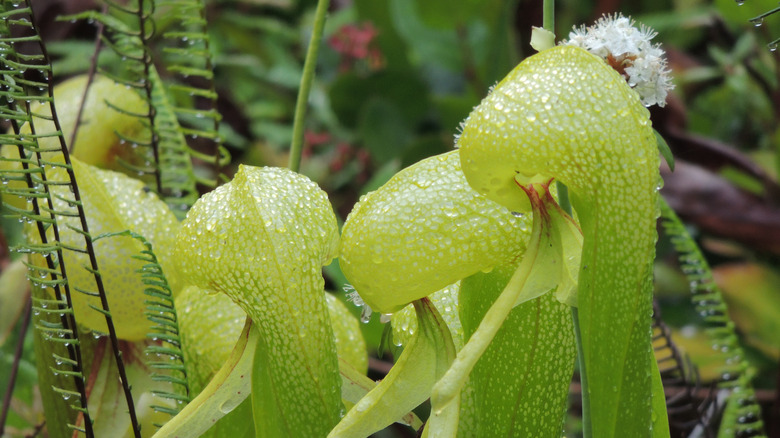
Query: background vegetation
column 396, row 77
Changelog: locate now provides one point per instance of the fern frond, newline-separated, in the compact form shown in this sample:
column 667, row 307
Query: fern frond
column 685, row 412
column 189, row 49
column 758, row 20
column 41, row 153
column 163, row 149
column 178, row 180
column 742, row 414
column 26, row 177
column 160, row 310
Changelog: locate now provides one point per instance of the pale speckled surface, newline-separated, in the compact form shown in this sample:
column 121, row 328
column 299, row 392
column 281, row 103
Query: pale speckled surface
column 423, row 230
column 97, row 142
column 113, row 202
column 210, row 324
column 262, row 240
column 404, row 322
column 349, row 339
column 561, row 113
column 520, row 385
column 564, row 113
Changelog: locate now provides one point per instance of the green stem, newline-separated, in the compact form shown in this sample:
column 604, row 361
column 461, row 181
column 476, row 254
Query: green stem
column 616, row 205
column 586, row 428
column 296, row 148
column 563, row 197
column 449, row 387
column 548, row 15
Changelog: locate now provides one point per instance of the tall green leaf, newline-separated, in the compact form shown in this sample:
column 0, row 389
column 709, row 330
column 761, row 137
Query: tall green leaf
column 262, row 240
column 533, row 353
column 565, row 114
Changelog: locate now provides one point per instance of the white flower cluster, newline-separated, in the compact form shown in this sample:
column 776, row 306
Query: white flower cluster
column 629, row 51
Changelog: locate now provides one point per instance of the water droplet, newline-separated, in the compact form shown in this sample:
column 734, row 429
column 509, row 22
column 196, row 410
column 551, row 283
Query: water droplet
column 228, row 405
column 758, row 21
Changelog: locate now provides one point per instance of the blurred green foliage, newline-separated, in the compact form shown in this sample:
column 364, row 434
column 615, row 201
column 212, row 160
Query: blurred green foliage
column 396, row 77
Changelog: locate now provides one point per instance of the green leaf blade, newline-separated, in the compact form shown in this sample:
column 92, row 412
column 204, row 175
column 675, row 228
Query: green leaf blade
column 532, row 354
column 426, row 357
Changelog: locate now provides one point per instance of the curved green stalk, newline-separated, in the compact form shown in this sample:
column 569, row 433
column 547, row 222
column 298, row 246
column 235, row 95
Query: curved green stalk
column 548, row 15
column 564, row 113
column 544, row 267
column 229, row 387
column 225, row 391
column 296, row 148
column 355, row 385
column 425, row 358
column 449, row 387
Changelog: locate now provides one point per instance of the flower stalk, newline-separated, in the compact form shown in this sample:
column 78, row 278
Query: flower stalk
column 302, row 102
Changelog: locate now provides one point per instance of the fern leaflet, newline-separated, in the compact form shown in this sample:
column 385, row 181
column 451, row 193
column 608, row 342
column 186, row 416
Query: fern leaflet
column 742, row 414
column 160, row 310
column 162, row 150
column 189, row 50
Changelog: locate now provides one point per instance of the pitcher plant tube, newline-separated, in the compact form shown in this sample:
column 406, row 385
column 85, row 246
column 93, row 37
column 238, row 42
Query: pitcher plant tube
column 562, row 114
